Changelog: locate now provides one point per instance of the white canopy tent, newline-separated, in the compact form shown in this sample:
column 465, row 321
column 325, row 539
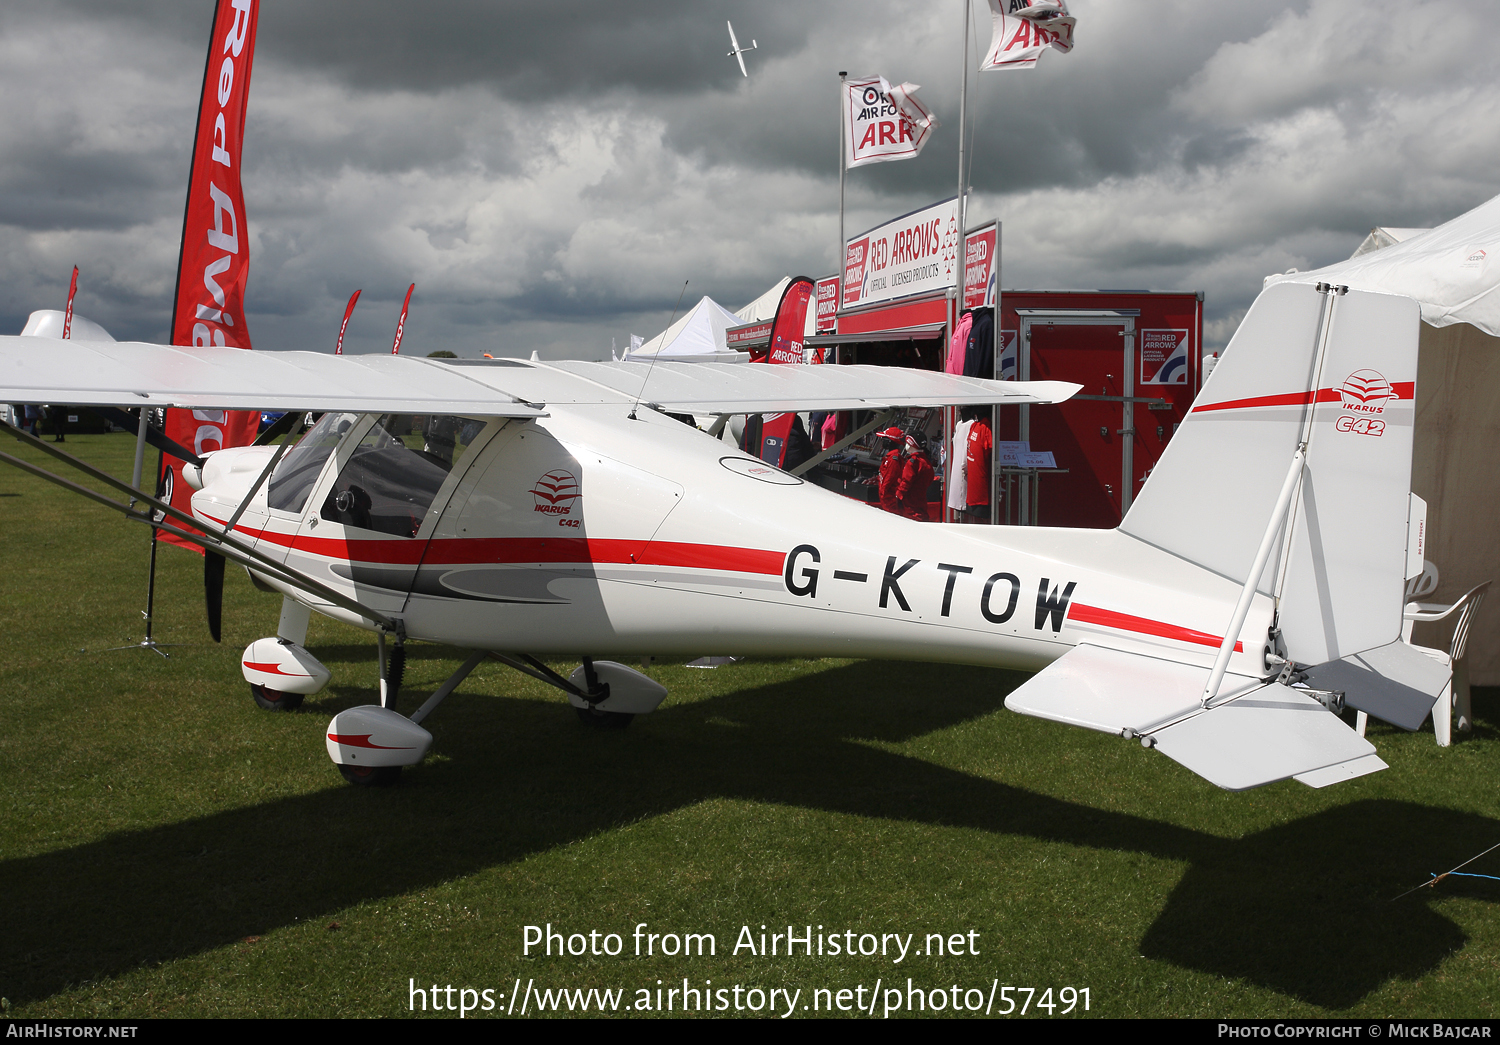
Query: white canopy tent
column 764, row 307
column 1384, row 236
column 699, row 333
column 1453, row 273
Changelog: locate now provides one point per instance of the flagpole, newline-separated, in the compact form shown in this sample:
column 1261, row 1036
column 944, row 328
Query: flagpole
column 149, row 642
column 843, row 168
column 963, row 98
column 949, row 413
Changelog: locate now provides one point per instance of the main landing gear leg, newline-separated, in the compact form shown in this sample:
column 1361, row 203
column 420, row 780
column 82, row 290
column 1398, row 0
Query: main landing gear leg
column 605, row 694
column 585, row 698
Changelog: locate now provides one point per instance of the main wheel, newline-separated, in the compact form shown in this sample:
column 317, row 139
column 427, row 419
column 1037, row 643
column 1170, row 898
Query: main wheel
column 274, row 700
column 370, row 776
column 604, row 719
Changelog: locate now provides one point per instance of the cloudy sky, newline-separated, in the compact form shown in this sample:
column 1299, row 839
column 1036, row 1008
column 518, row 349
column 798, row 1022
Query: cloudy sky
column 549, row 175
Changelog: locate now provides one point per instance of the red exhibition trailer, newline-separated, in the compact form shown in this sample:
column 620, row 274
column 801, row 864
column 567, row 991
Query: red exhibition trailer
column 1137, row 355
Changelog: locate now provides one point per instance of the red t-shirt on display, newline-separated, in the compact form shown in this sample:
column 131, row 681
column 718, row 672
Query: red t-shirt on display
column 977, row 462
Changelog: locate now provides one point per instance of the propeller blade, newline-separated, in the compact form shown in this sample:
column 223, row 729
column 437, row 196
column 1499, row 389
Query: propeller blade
column 213, row 592
column 167, row 446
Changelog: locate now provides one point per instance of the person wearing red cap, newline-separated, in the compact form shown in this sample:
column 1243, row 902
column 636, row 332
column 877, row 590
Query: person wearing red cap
column 891, row 470
column 916, row 480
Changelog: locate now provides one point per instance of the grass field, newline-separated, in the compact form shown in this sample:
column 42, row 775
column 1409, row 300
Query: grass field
column 166, row 849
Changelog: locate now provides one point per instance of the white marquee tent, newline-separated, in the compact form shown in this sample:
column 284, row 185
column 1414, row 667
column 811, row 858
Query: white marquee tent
column 764, row 307
column 1453, row 272
column 699, row 333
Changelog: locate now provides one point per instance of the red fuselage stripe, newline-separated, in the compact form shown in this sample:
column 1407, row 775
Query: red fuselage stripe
column 1403, row 390
column 1125, row 622
column 515, row 550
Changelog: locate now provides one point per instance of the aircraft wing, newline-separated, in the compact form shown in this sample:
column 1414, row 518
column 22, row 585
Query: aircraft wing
column 133, row 374
column 739, row 388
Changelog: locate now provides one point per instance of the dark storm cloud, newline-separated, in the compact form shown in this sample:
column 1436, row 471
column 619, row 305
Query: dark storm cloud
column 528, row 51
column 549, row 175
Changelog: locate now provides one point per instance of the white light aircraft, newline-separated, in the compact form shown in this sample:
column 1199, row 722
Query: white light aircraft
column 736, row 51
column 1255, row 585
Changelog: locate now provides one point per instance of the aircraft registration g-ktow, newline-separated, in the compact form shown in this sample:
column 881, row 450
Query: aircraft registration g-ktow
column 1255, row 585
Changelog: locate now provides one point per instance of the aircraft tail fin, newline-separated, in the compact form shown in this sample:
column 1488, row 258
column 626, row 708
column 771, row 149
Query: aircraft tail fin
column 1254, row 734
column 1333, row 369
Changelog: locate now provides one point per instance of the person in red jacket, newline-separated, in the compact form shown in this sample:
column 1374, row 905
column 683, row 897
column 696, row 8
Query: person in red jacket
column 916, row 480
column 891, row 468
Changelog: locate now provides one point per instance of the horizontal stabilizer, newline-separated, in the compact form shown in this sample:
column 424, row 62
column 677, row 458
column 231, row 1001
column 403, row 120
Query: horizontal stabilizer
column 1396, row 683
column 1339, row 772
column 1253, row 735
column 1113, row 691
column 1269, row 734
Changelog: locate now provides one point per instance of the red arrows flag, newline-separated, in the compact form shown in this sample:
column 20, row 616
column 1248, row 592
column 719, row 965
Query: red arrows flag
column 338, row 349
column 68, row 313
column 1023, row 29
column 209, row 309
column 401, row 323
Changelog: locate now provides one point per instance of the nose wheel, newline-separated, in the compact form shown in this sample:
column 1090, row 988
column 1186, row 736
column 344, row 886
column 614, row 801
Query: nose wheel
column 604, row 719
column 269, row 699
column 370, row 776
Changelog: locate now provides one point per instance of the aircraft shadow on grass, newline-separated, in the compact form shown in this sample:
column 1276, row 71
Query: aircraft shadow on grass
column 1303, row 909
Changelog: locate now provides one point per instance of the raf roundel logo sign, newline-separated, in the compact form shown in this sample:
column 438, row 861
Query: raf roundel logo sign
column 556, row 492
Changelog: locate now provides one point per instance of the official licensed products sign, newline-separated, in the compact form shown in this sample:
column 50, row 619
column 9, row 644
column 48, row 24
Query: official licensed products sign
column 1164, row 357
column 915, row 254
column 981, row 266
column 828, row 304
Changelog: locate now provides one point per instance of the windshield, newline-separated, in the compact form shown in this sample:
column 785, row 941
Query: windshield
column 299, row 469
column 397, row 470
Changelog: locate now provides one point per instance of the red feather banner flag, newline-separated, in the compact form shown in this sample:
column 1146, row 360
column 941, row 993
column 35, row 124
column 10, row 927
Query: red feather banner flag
column 401, row 323
column 338, row 349
column 787, row 331
column 68, row 313
column 209, row 309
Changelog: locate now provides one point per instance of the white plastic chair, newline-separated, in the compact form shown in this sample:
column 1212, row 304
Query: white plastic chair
column 1424, row 583
column 1453, row 706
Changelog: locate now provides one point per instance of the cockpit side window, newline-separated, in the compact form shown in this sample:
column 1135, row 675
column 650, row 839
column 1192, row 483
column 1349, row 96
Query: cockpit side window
column 388, row 484
column 294, row 477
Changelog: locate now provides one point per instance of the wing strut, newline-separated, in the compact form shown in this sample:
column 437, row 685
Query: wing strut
column 213, row 538
column 812, row 462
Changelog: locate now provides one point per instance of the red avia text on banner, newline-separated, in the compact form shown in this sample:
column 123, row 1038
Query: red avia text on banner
column 215, row 259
